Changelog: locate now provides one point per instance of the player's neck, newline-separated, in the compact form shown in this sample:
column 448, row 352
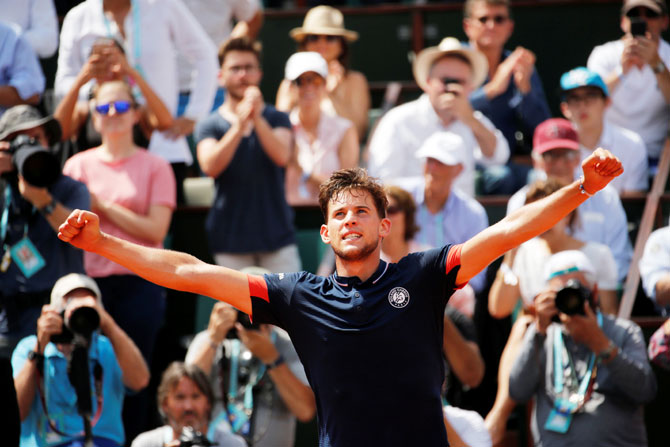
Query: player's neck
column 363, row 268
column 395, row 249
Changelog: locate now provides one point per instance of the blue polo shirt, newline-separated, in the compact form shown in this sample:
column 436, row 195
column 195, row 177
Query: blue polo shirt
column 372, row 350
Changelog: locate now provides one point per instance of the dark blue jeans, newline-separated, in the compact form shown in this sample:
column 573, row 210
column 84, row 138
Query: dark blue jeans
column 138, row 307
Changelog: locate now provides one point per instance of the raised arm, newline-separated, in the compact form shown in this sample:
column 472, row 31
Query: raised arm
column 535, row 218
column 175, row 270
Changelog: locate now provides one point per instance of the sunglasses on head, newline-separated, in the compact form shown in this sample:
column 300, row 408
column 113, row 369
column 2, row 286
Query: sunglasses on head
column 119, row 107
column 642, row 12
column 498, row 19
column 316, row 37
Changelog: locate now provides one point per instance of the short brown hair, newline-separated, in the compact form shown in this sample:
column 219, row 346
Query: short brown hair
column 543, row 188
column 243, row 44
column 174, row 373
column 408, row 208
column 469, row 4
column 346, row 180
column 124, row 84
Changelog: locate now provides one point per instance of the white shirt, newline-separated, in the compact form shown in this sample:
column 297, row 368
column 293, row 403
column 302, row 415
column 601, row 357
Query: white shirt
column 630, row 149
column 655, row 262
column 637, row 102
column 601, row 219
column 469, row 426
column 215, row 17
column 530, row 261
column 402, row 131
column 165, row 26
column 35, row 21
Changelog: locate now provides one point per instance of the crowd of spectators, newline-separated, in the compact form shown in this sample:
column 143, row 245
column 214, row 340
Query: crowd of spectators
column 140, row 95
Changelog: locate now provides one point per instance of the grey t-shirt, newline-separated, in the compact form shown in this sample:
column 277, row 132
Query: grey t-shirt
column 160, row 436
column 274, row 424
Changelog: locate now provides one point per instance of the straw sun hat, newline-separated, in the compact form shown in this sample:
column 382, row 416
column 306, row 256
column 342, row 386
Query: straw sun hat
column 449, row 45
column 323, row 20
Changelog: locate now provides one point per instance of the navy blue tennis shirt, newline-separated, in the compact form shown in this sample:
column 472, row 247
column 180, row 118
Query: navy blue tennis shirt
column 372, row 350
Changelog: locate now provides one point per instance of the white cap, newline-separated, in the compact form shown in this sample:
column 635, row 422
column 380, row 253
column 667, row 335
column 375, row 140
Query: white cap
column 68, row 283
column 304, row 61
column 445, row 147
column 569, row 261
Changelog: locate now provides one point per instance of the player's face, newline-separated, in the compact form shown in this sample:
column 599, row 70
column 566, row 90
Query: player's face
column 186, row 406
column 240, row 70
column 354, row 228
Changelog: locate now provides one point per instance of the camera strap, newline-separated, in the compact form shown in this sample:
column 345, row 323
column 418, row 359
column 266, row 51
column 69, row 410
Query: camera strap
column 97, row 380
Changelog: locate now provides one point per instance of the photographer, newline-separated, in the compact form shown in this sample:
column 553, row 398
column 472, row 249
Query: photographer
column 185, row 400
column 263, row 363
column 596, row 395
column 47, row 399
column 32, row 256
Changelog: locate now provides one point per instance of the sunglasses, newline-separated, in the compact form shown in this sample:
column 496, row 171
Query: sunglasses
column 393, row 209
column 311, row 38
column 120, row 107
column 310, row 79
column 642, row 12
column 447, row 81
column 498, row 19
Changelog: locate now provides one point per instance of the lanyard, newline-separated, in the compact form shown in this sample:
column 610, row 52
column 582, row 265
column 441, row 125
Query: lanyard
column 559, row 366
column 438, row 227
column 137, row 36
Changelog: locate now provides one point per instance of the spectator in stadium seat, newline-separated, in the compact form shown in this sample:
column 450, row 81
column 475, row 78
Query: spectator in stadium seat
column 348, row 93
column 35, row 21
column 655, row 269
column 245, row 146
column 589, row 373
column 635, row 69
column 512, row 96
column 602, row 217
column 584, row 100
column 21, row 77
column 447, row 74
column 324, row 142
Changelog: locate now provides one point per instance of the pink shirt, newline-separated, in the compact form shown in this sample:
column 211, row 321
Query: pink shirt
column 136, row 182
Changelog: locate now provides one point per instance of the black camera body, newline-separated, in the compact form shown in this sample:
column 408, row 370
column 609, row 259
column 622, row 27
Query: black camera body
column 36, row 164
column 191, row 437
column 638, row 26
column 83, row 321
column 571, row 298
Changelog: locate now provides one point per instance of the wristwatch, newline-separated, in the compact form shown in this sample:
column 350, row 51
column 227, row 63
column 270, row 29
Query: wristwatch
column 276, row 363
column 607, row 354
column 658, row 68
column 48, row 208
column 36, row 357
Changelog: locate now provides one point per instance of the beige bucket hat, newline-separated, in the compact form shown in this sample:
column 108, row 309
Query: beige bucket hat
column 324, row 20
column 449, row 45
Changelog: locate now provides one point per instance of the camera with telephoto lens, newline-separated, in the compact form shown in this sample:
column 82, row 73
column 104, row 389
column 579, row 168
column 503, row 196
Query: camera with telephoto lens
column 191, row 437
column 571, row 298
column 36, row 164
column 82, row 321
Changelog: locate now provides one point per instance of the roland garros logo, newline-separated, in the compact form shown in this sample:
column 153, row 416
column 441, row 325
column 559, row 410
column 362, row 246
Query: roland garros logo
column 398, row 297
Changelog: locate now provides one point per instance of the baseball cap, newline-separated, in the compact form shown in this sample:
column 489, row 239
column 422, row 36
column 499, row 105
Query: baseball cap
column 447, row 148
column 449, row 45
column 304, row 61
column 70, row 282
column 568, row 261
column 657, row 6
column 582, row 77
column 24, row 117
column 555, row 133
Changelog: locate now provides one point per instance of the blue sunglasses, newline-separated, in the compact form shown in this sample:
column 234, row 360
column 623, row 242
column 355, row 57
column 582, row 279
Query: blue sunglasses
column 119, row 107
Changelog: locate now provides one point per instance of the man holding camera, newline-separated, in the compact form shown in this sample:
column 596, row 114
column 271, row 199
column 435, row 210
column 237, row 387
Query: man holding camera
column 48, row 402
column 262, row 362
column 635, row 69
column 447, row 74
column 588, row 372
column 32, row 257
column 185, row 401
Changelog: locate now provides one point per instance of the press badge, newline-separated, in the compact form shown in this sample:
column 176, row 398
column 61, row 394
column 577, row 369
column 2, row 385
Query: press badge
column 27, row 258
column 560, row 417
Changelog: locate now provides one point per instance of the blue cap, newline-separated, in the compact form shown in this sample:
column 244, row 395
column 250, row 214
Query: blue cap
column 582, row 77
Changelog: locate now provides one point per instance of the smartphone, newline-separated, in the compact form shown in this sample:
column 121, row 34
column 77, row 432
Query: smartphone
column 638, row 26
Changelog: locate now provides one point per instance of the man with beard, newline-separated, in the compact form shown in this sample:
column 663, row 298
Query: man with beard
column 245, row 145
column 185, row 401
column 369, row 336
